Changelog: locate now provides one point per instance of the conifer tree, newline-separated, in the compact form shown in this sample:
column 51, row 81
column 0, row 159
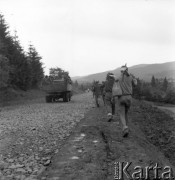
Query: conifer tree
column 4, row 61
column 21, row 72
column 153, row 81
column 4, row 72
column 24, row 71
column 36, row 69
column 165, row 84
column 11, row 49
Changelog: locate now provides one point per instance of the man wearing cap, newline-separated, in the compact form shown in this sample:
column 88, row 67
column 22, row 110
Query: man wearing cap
column 110, row 104
column 126, row 82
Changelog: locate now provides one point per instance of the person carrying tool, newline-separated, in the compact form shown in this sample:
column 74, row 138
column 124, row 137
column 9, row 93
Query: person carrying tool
column 126, row 81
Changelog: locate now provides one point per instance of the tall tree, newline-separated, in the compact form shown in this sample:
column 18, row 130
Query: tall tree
column 11, row 49
column 76, row 83
column 165, row 84
column 21, row 71
column 4, row 35
column 56, row 72
column 36, row 69
column 24, row 71
column 4, row 72
column 153, row 81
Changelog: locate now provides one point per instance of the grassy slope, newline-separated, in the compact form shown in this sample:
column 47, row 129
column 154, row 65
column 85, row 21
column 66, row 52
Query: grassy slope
column 13, row 97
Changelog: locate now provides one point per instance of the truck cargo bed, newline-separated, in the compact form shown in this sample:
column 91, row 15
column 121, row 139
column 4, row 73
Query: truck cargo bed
column 56, row 86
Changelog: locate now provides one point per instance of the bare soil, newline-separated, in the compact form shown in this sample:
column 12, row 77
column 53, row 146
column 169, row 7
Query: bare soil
column 96, row 145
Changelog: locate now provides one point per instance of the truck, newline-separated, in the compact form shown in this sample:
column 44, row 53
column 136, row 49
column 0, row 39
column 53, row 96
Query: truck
column 56, row 89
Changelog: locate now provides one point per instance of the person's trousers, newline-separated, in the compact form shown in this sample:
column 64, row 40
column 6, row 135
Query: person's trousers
column 96, row 100
column 110, row 103
column 124, row 103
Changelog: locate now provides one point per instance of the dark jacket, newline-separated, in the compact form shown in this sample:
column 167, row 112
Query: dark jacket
column 97, row 89
column 109, row 84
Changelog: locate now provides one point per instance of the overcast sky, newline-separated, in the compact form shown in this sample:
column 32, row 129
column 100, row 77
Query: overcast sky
column 90, row 36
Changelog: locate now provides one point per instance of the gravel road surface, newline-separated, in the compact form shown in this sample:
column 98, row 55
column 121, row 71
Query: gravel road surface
column 30, row 134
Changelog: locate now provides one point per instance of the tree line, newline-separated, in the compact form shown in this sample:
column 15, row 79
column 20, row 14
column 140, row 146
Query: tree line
column 157, row 90
column 18, row 69
column 81, row 87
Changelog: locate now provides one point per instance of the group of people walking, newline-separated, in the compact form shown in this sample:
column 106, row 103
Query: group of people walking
column 122, row 100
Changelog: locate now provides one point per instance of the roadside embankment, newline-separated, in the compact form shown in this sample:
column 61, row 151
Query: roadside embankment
column 158, row 127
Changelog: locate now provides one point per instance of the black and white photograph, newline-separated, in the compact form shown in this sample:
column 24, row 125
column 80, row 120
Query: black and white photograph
column 87, row 89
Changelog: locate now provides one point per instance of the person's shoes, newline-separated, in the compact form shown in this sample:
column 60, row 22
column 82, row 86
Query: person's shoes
column 125, row 132
column 110, row 117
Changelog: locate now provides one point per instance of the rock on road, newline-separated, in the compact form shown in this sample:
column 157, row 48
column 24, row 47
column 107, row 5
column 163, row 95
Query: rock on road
column 30, row 134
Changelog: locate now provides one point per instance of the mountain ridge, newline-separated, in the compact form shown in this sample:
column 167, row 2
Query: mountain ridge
column 142, row 71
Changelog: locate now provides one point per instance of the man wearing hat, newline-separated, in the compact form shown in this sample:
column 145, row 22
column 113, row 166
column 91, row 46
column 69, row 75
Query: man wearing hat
column 126, row 82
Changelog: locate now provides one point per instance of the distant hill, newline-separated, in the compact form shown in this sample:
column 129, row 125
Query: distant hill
column 143, row 71
column 76, row 77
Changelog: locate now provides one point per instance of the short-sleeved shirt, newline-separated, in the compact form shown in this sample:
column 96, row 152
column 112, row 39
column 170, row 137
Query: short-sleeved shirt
column 126, row 82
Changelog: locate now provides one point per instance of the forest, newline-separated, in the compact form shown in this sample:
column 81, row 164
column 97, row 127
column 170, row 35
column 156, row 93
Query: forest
column 18, row 69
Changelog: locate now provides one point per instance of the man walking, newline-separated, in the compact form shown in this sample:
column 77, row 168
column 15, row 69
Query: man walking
column 109, row 102
column 126, row 81
column 97, row 92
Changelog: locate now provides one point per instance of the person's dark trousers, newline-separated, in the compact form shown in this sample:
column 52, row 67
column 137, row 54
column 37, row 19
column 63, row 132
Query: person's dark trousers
column 113, row 108
column 96, row 100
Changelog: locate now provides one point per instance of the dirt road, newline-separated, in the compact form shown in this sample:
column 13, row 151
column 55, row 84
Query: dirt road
column 96, row 146
column 169, row 110
column 49, row 142
column 32, row 132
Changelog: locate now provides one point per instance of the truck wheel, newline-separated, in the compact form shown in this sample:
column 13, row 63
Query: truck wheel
column 65, row 97
column 48, row 99
column 69, row 96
